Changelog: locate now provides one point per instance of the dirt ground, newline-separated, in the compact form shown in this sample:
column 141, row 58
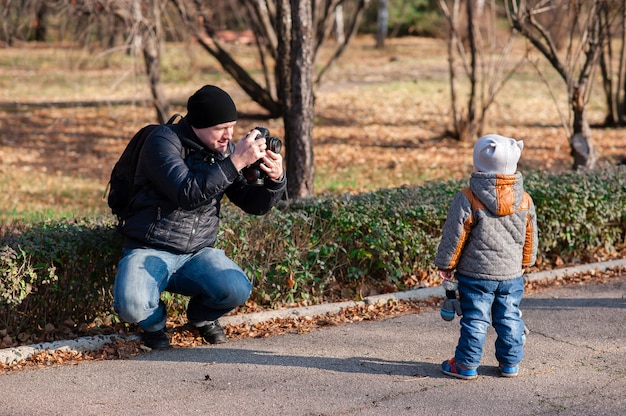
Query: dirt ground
column 371, row 130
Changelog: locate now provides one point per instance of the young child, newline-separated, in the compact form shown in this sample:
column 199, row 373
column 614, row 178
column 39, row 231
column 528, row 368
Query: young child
column 489, row 237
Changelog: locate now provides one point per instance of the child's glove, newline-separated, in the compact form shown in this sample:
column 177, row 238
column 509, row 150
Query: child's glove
column 451, row 305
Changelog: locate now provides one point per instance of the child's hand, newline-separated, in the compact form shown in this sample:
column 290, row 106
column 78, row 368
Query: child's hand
column 445, row 274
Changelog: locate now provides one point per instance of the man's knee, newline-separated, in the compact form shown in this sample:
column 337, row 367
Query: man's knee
column 242, row 294
column 235, row 293
column 134, row 309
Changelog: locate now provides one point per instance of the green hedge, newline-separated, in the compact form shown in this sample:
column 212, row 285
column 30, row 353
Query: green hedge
column 54, row 271
column 305, row 251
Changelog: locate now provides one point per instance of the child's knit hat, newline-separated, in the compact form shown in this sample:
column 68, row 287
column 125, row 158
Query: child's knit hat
column 497, row 154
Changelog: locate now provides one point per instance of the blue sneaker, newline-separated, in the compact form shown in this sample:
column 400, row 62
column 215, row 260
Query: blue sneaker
column 452, row 368
column 508, row 371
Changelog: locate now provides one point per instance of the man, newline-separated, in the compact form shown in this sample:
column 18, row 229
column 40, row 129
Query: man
column 172, row 228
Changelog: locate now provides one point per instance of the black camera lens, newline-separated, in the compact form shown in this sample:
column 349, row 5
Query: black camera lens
column 274, row 144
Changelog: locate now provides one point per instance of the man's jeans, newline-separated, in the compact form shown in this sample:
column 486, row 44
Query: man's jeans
column 214, row 282
column 487, row 302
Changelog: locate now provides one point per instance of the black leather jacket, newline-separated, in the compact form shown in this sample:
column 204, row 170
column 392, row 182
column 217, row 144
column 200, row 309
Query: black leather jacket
column 178, row 207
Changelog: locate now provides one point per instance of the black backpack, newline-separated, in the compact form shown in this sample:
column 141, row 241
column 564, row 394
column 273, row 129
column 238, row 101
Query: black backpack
column 121, row 188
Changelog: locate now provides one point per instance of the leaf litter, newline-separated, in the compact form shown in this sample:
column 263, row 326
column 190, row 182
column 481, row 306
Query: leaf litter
column 183, row 336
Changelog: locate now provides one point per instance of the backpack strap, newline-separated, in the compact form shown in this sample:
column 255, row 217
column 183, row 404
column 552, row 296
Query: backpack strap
column 191, row 144
column 186, row 142
column 173, row 118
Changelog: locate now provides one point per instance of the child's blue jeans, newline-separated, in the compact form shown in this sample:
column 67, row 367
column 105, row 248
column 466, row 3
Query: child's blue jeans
column 214, row 282
column 485, row 303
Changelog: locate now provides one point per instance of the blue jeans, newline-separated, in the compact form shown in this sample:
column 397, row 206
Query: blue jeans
column 215, row 284
column 485, row 303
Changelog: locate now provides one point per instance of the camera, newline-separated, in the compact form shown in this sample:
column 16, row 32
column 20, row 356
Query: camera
column 253, row 174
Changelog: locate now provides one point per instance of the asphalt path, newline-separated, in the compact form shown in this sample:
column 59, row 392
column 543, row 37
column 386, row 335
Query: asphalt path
column 575, row 365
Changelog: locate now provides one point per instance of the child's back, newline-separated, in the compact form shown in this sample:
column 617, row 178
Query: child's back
column 489, row 237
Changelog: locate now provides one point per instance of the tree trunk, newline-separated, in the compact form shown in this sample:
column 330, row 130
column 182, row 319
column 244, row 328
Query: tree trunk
column 152, row 59
column 458, row 122
column 607, row 85
column 582, row 149
column 41, row 28
column 471, row 99
column 526, row 22
column 621, row 84
column 148, row 38
column 296, row 47
column 382, row 22
column 340, row 34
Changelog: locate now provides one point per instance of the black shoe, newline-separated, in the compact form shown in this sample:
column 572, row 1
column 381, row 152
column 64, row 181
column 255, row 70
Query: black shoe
column 212, row 332
column 156, row 340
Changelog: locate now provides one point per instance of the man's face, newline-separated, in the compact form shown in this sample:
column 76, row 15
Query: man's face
column 216, row 138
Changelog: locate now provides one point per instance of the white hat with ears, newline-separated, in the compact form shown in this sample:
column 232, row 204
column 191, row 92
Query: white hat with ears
column 497, row 154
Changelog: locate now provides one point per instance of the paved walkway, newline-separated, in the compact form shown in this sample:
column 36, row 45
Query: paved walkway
column 575, row 365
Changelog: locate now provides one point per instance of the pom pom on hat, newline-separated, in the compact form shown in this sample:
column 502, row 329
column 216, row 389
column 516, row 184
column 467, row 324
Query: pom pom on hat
column 210, row 106
column 497, row 154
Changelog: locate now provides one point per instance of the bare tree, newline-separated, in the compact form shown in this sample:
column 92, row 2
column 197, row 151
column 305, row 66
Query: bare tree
column 147, row 35
column 22, row 20
column 575, row 67
column 41, row 26
column 382, row 23
column 473, row 46
column 613, row 61
column 288, row 35
column 139, row 22
column 294, row 70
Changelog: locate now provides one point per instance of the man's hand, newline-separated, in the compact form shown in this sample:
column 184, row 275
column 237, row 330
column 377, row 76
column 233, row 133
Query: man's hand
column 248, row 150
column 272, row 165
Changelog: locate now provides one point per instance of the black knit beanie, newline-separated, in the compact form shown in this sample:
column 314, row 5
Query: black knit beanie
column 210, row 106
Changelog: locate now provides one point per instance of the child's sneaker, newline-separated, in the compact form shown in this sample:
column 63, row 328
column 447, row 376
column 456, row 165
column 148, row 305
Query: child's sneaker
column 508, row 371
column 452, row 368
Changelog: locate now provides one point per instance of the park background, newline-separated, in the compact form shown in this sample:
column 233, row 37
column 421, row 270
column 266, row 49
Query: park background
column 385, row 168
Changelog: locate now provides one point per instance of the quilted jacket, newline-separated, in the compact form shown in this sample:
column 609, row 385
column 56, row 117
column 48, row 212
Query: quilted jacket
column 491, row 229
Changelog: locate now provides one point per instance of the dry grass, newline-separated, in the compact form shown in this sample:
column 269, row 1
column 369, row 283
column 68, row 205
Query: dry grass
column 381, row 118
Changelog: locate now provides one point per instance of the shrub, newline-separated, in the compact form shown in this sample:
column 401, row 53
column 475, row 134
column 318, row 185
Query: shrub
column 579, row 213
column 307, row 251
column 53, row 272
